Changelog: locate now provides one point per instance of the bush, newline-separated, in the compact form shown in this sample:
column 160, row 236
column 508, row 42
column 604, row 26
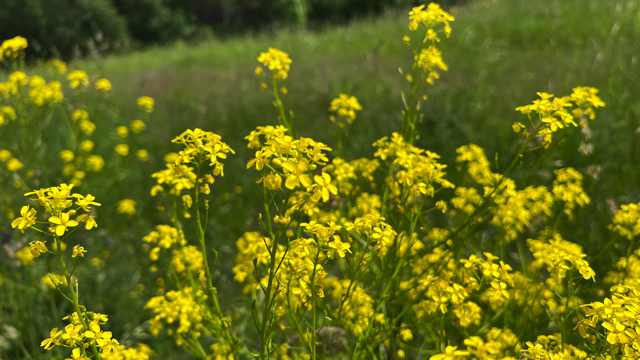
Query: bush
column 64, row 28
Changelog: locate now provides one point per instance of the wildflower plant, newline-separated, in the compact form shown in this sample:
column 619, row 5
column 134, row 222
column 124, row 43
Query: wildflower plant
column 370, row 258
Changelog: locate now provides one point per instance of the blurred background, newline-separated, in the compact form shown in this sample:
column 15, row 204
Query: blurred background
column 196, row 58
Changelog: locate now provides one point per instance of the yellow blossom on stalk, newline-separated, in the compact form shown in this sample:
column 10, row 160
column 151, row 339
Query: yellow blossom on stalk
column 77, row 78
column 122, row 149
column 126, row 206
column 57, row 280
column 61, row 66
column 430, row 17
column 87, row 126
column 38, row 248
column 5, row 155
column 146, row 104
column 559, row 255
column 26, row 219
column 14, row 165
column 42, row 93
column 25, row 256
column 427, row 60
column 79, row 114
column 556, row 113
column 7, row 113
column 626, row 221
column 122, row 131
column 346, row 107
column 54, row 340
column 78, row 251
column 201, row 146
column 67, row 155
column 95, row 163
column 62, row 223
column 322, row 188
column 567, row 187
column 18, row 78
column 138, row 126
column 13, row 48
column 142, row 154
column 103, row 85
column 77, row 355
column 277, row 61
column 87, row 145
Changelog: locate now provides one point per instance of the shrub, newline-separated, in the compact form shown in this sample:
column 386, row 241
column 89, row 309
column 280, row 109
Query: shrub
column 63, row 28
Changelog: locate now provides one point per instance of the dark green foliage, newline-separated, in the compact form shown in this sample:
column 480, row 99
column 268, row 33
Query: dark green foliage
column 63, row 28
column 154, row 21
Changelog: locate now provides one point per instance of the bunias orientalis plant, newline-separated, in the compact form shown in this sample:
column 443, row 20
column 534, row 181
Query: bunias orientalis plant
column 385, row 257
column 193, row 310
column 67, row 212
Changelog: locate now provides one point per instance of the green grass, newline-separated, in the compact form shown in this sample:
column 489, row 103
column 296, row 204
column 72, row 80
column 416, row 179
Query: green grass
column 500, row 54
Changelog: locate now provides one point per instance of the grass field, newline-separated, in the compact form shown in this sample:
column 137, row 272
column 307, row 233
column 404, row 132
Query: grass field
column 500, row 54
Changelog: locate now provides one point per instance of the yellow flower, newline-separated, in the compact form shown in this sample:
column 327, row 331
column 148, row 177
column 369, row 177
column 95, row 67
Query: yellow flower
column 277, row 61
column 103, row 85
column 77, row 355
column 25, row 256
column 28, row 218
column 95, row 163
column 126, row 206
column 78, row 251
column 67, row 155
column 89, row 221
column 97, row 262
column 5, row 155
column 87, row 145
column 122, row 149
column 85, row 202
column 346, row 107
column 62, row 222
column 142, row 154
column 48, row 344
column 14, row 165
column 13, row 48
column 77, row 78
column 146, row 103
column 60, row 65
column 79, row 114
column 87, row 126
column 122, row 131
column 58, row 280
column 296, row 174
column 37, row 248
column 137, row 126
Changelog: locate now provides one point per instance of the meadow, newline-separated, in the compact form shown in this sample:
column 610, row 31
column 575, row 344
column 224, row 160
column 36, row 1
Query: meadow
column 499, row 55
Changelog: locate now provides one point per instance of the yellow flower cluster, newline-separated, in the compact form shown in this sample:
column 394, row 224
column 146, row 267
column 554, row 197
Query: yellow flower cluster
column 567, row 187
column 179, row 310
column 419, row 171
column 559, row 112
column 345, row 106
column 430, row 16
column 626, row 221
column 427, row 60
column 559, row 256
column 13, row 48
column 80, row 334
column 277, row 61
column 55, row 201
column 291, row 159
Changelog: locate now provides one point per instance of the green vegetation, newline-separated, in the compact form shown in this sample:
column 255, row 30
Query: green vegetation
column 500, row 53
